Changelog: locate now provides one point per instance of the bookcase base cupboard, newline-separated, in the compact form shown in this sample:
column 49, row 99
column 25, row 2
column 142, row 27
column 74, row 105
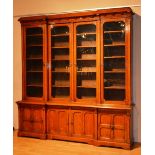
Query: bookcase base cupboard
column 77, row 77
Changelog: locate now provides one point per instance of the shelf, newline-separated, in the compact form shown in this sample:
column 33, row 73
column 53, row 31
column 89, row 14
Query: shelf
column 34, row 35
column 86, row 46
column 34, row 45
column 114, row 57
column 60, row 72
column 61, row 86
column 87, row 33
column 115, row 71
column 119, row 31
column 88, row 59
column 86, row 71
column 59, row 59
column 60, row 35
column 34, row 71
column 39, row 58
column 88, row 97
column 86, row 87
column 114, row 44
column 34, row 85
column 61, row 96
column 59, row 47
column 115, row 87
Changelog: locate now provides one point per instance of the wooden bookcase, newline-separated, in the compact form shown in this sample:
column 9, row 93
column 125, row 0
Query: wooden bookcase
column 77, row 77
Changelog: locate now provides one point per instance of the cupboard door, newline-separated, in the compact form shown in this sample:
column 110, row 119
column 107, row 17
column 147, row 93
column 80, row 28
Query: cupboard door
column 77, row 123
column 104, row 126
column 57, row 122
column 85, row 70
column 34, row 57
column 113, row 57
column 89, row 124
column 83, row 123
column 37, row 120
column 114, row 126
column 118, row 127
column 60, row 58
column 32, row 119
column 52, row 127
column 26, row 119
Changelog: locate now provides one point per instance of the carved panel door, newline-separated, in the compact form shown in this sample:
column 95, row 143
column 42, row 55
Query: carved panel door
column 83, row 123
column 32, row 119
column 104, row 126
column 113, row 126
column 120, row 127
column 58, row 122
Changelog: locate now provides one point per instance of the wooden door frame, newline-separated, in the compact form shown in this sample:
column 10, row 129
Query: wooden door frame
column 44, row 50
column 97, row 99
column 127, row 60
column 70, row 98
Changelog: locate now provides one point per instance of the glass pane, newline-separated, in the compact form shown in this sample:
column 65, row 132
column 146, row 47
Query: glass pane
column 62, row 30
column 86, row 61
column 114, row 26
column 32, row 40
column 60, row 62
column 114, row 60
column 34, row 78
column 34, row 62
column 34, row 52
column 34, row 30
column 34, row 91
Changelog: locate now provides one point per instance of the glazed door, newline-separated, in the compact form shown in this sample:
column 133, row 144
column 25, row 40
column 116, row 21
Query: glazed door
column 86, row 68
column 60, row 60
column 34, row 68
column 115, row 61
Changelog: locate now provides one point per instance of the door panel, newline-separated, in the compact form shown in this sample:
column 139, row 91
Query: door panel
column 26, row 112
column 32, row 119
column 104, row 124
column 58, row 122
column 119, row 127
column 52, row 121
column 118, row 135
column 105, row 133
column 63, row 127
column 37, row 127
column 37, row 120
column 89, row 124
column 26, row 126
column 77, row 123
column 26, row 119
column 113, row 126
column 83, row 123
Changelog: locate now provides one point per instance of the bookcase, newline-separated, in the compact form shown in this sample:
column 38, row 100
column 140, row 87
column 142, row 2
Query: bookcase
column 77, row 77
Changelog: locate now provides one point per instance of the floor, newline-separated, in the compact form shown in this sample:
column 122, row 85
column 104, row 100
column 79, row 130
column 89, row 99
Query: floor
column 32, row 146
